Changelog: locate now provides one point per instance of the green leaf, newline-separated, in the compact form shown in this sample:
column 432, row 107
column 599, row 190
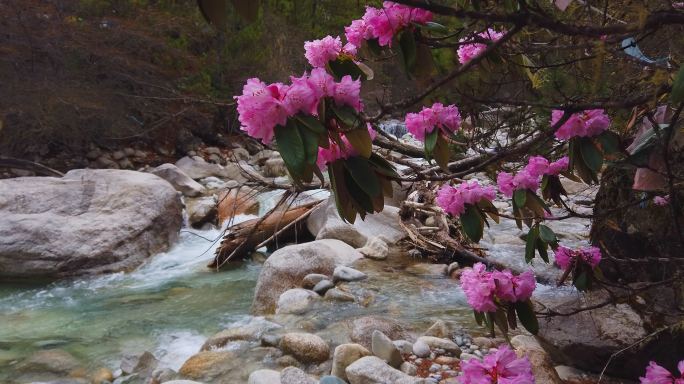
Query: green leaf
column 508, row 5
column 362, row 199
column 591, row 155
column 539, row 201
column 396, row 48
column 545, row 180
column 476, row 5
column 310, row 141
column 383, row 166
column 312, row 122
column 374, row 46
column 543, row 253
column 609, row 144
column 517, row 215
column 547, row 235
column 361, row 141
column 364, row 175
column 495, row 58
column 346, row 114
column 425, row 62
column 677, row 93
column 430, row 141
column 478, row 317
column 519, row 197
column 501, row 321
column 528, row 319
column 441, row 153
column 581, row 282
column 291, row 147
column 343, row 67
column 472, row 223
column 432, row 27
column 408, row 47
column 530, row 244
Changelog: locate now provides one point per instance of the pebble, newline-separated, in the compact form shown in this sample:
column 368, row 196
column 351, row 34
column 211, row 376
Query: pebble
column 418, row 361
column 467, row 350
column 479, row 353
column 459, row 341
column 451, row 373
column 437, row 376
column 492, row 350
column 432, row 380
column 432, row 356
column 342, row 273
column 440, row 351
column 435, row 367
column 484, row 350
column 413, row 357
column 421, row 349
column 323, row 286
column 474, row 347
column 445, row 367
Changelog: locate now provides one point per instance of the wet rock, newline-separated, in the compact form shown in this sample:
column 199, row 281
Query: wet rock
column 138, row 361
column 102, row 374
column 428, row 269
column 54, row 361
column 363, row 328
column 451, row 268
column 312, row 279
column 323, row 286
column 421, row 349
column 373, row 370
column 338, row 295
column 382, row 347
column 288, row 361
column 375, row 249
column 131, row 379
column 296, row 301
column 447, row 345
column 287, row 267
column 325, row 223
column 207, row 365
column 164, row 375
column 270, row 341
column 439, row 329
column 408, row 368
column 264, row 376
column 201, row 210
column 224, row 337
column 305, row 347
column 332, row 380
column 343, row 273
column 542, row 366
column 293, row 375
column 344, row 356
column 179, row 180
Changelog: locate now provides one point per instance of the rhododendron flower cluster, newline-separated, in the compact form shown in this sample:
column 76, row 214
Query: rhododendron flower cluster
column 466, row 52
column 319, row 52
column 655, row 374
column 483, row 288
column 335, row 152
column 453, row 200
column 565, row 256
column 502, row 367
column 261, row 107
column 529, row 177
column 662, row 201
column 425, row 121
column 384, row 23
column 584, row 124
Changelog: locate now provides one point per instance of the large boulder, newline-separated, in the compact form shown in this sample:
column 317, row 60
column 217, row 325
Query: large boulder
column 89, row 221
column 207, row 365
column 286, row 268
column 325, row 223
column 296, row 301
column 305, row 347
column 201, row 210
column 197, row 169
column 344, row 356
column 179, row 180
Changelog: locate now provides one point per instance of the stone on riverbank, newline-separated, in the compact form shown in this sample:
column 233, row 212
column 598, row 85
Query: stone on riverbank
column 49, row 361
column 373, row 370
column 542, row 366
column 102, row 374
column 305, row 347
column 264, row 376
column 89, row 221
column 207, row 365
column 286, row 268
column 293, row 375
column 296, row 301
column 344, row 356
column 383, row 348
column 445, row 344
column 439, row 329
column 312, row 279
column 222, row 338
column 343, row 273
column 375, row 249
column 179, row 180
column 134, row 362
column 362, row 329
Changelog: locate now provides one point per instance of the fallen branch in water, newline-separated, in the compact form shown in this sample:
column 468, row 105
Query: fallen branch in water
column 26, row 165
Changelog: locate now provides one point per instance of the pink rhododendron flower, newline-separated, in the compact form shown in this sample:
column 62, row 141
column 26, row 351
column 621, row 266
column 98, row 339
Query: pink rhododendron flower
column 505, row 182
column 319, row 52
column 349, row 49
column 335, row 152
column 261, row 108
column 662, row 201
column 466, row 52
column 565, row 256
column 423, row 122
column 556, row 167
column 355, row 32
column 347, row 92
column 483, row 288
column 584, row 124
column 384, row 23
column 655, row 374
column 500, row 367
column 448, row 117
column 321, row 83
column 300, row 96
column 513, row 288
column 475, row 284
column 453, row 200
column 538, row 166
column 523, row 180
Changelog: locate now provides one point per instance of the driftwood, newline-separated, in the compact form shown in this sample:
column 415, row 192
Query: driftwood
column 26, row 165
column 247, row 236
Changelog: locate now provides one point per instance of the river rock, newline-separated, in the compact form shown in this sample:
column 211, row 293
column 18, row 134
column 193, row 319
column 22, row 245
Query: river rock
column 323, row 286
column 260, row 157
column 288, row 361
column 305, row 347
column 102, row 374
column 468, row 356
column 164, row 375
column 286, row 268
column 196, row 169
column 224, row 337
column 339, row 296
column 275, row 167
column 405, row 347
column 373, row 370
column 344, row 356
column 439, row 329
column 421, row 349
column 179, row 180
column 409, row 368
column 383, row 348
column 207, row 365
column 270, row 341
column 89, row 221
column 452, row 267
column 375, row 249
column 332, row 380
column 363, row 327
column 201, row 210
column 542, row 366
column 237, row 201
column 436, row 342
column 325, row 223
column 296, row 301
column 486, row 342
column 264, row 376
column 293, row 375
column 310, row 280
column 134, row 362
column 54, row 361
column 343, row 273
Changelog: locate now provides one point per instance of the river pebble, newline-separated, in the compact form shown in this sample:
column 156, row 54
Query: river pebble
column 418, row 361
column 435, row 367
column 440, row 351
column 478, row 353
column 459, row 341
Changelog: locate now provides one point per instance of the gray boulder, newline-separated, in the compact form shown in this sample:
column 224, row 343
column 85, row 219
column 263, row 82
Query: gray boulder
column 343, row 273
column 344, row 356
column 339, row 295
column 305, row 347
column 375, row 249
column 296, row 301
column 383, row 348
column 138, row 361
column 445, row 344
column 202, row 209
column 323, row 286
column 286, row 268
column 373, row 370
column 179, row 180
column 89, row 221
column 363, row 327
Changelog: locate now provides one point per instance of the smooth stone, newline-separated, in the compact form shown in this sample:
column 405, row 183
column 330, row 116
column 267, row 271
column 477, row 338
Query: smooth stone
column 474, row 347
column 375, row 249
column 446, row 360
column 183, row 382
column 138, row 361
column 224, row 337
column 363, row 327
column 459, row 341
column 338, row 295
column 288, row 361
column 409, row 369
column 102, row 374
column 49, row 361
column 405, row 347
column 296, row 301
column 479, row 353
column 323, row 286
column 440, row 351
column 421, row 349
column 451, row 268
column 179, row 180
column 418, row 361
column 305, row 347
column 447, row 345
column 428, row 269
column 270, row 341
column 382, row 347
column 467, row 357
column 373, row 370
column 344, row 356
column 207, row 364
column 264, row 376
column 343, row 273
column 485, row 342
column 542, row 366
column 435, row 368
column 310, row 280
column 164, row 375
column 439, row 329
column 294, row 375
column 332, row 380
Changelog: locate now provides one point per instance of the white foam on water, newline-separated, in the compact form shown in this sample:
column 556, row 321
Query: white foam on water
column 175, row 348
